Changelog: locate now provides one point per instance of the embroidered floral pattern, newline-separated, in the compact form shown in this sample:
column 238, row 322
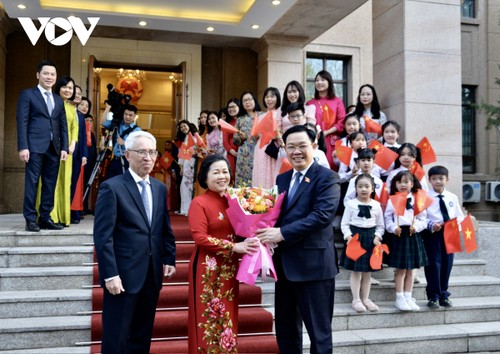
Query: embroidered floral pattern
column 218, row 327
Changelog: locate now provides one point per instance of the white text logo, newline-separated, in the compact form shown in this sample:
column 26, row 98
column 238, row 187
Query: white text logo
column 49, row 26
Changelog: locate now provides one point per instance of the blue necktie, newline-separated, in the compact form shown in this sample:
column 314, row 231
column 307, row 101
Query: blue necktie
column 442, row 207
column 50, row 106
column 295, row 186
column 145, row 199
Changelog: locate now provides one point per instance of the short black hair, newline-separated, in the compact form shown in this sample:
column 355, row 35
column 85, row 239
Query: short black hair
column 43, row 63
column 295, row 106
column 366, row 176
column 130, row 107
column 276, row 93
column 366, row 154
column 63, row 81
column 298, row 129
column 438, row 170
column 205, row 168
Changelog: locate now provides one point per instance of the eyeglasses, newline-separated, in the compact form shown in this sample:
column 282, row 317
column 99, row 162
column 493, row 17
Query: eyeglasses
column 247, row 100
column 144, row 153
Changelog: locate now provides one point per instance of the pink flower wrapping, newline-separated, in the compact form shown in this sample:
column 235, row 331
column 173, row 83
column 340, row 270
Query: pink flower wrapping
column 244, row 225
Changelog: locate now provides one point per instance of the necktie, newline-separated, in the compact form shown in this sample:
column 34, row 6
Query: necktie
column 145, row 199
column 442, row 206
column 50, row 107
column 408, row 204
column 295, row 186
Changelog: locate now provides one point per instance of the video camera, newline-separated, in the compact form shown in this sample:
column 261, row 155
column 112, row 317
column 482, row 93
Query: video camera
column 118, row 102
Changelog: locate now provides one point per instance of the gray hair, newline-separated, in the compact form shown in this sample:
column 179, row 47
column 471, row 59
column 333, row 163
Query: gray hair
column 132, row 137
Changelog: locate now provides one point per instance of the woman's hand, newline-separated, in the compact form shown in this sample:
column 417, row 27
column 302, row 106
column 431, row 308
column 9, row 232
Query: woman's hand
column 249, row 246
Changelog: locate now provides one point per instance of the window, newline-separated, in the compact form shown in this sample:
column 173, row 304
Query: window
column 468, row 129
column 337, row 66
column 468, row 8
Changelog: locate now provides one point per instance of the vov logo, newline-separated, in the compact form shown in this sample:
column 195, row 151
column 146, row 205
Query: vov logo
column 49, row 26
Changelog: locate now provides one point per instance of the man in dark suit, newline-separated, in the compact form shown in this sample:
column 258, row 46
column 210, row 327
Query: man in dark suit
column 42, row 141
column 133, row 240
column 306, row 259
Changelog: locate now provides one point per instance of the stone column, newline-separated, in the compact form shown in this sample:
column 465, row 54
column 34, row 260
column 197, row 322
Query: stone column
column 417, row 73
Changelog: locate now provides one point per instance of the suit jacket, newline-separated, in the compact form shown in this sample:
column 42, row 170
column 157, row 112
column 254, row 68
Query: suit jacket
column 308, row 252
column 124, row 240
column 34, row 124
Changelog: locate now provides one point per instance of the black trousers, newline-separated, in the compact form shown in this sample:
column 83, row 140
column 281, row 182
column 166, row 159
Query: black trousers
column 127, row 319
column 437, row 272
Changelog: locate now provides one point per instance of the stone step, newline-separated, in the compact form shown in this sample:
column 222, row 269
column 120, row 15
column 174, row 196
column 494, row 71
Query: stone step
column 449, row 338
column 464, row 267
column 46, row 256
column 44, row 332
column 40, row 303
column 460, row 286
column 44, row 278
column 45, row 238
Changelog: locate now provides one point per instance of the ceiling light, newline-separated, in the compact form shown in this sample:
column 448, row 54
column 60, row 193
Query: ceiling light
column 142, row 23
column 276, row 2
column 210, row 29
column 21, row 7
column 255, row 27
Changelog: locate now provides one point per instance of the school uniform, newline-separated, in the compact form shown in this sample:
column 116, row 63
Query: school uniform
column 393, row 173
column 367, row 220
column 345, row 171
column 438, row 271
column 351, row 188
column 406, row 251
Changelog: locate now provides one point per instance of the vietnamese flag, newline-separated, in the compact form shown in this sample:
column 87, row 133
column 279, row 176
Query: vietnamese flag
column 344, row 154
column 327, row 116
column 253, row 131
column 185, row 152
column 399, row 203
column 267, row 127
column 199, row 141
column 190, row 141
column 452, row 236
column 285, row 165
column 354, row 250
column 426, row 151
column 226, row 127
column 417, row 170
column 376, row 257
column 383, row 198
column 470, row 241
column 166, row 160
column 422, row 201
column 384, row 157
column 371, row 126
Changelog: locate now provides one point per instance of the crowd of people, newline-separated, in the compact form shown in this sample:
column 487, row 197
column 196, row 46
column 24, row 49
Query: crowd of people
column 324, row 192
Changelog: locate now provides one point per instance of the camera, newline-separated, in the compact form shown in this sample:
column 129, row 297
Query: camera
column 118, row 102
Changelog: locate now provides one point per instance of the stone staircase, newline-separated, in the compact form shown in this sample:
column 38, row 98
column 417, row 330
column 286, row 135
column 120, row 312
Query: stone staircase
column 45, row 302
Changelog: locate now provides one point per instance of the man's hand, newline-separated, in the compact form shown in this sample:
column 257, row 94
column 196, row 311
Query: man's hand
column 64, row 155
column 169, row 271
column 24, row 155
column 114, row 286
column 120, row 141
column 269, row 235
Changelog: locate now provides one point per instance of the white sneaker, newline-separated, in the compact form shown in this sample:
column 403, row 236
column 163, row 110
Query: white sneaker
column 412, row 303
column 401, row 304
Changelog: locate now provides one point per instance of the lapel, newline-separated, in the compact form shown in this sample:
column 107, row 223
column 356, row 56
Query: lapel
column 132, row 188
column 304, row 184
column 41, row 99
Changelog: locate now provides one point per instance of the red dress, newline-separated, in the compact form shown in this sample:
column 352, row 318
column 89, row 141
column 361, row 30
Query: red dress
column 213, row 288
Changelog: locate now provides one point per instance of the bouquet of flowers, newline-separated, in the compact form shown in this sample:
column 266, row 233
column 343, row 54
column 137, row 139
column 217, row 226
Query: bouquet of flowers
column 250, row 209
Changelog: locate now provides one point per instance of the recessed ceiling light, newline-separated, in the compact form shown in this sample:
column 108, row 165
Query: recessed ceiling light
column 255, row 26
column 210, row 29
column 21, row 6
column 142, row 23
column 276, row 2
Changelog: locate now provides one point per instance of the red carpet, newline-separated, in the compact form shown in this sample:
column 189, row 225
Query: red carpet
column 170, row 330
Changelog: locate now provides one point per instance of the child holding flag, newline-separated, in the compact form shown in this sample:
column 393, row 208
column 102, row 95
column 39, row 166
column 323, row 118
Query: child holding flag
column 445, row 207
column 363, row 218
column 406, row 224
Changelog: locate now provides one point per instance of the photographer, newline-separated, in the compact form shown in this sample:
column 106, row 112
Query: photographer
column 121, row 127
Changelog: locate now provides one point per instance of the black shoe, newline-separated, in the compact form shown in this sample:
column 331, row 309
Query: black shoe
column 32, row 226
column 75, row 221
column 445, row 303
column 50, row 225
column 433, row 304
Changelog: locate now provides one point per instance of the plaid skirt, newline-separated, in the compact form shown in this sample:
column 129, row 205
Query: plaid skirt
column 407, row 252
column 363, row 263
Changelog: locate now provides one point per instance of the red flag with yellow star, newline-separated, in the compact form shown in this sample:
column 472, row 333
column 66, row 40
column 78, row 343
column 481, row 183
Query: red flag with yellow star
column 327, row 117
column 422, row 201
column 344, row 154
column 190, row 142
column 426, row 151
column 185, row 152
column 417, row 170
column 398, row 201
column 452, row 236
column 384, row 157
column 376, row 257
column 371, row 126
column 166, row 160
column 226, row 127
column 469, row 234
column 383, row 198
column 354, row 249
column 199, row 141
column 285, row 165
column 267, row 127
